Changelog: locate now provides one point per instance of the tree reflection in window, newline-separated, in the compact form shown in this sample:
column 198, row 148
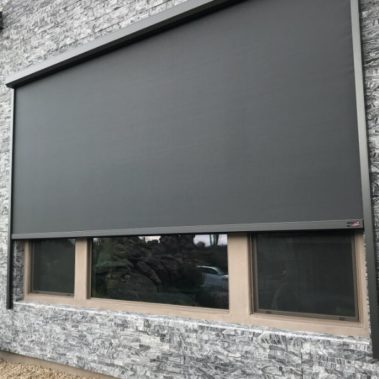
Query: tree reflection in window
column 181, row 269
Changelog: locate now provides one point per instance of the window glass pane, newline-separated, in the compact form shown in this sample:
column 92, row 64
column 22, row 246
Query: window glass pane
column 306, row 272
column 172, row 269
column 53, row 266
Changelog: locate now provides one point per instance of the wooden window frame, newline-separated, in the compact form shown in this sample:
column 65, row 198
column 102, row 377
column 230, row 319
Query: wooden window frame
column 31, row 280
column 255, row 295
column 241, row 290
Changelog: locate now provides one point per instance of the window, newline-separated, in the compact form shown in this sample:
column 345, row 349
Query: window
column 311, row 281
column 53, row 265
column 310, row 273
column 182, row 269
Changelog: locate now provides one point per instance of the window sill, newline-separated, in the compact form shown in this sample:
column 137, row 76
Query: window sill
column 282, row 322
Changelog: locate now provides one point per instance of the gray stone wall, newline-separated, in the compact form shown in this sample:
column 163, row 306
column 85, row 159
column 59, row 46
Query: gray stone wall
column 138, row 346
column 370, row 44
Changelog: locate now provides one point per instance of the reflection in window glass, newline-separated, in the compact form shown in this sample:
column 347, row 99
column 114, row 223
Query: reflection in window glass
column 182, row 269
column 53, row 266
column 306, row 272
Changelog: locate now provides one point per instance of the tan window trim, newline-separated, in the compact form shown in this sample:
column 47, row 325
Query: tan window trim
column 240, row 290
column 336, row 327
column 254, row 295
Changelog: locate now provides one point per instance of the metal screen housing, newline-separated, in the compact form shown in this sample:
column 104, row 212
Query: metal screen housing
column 243, row 119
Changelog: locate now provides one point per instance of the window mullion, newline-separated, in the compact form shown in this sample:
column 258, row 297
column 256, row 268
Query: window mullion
column 27, row 267
column 81, row 270
column 239, row 276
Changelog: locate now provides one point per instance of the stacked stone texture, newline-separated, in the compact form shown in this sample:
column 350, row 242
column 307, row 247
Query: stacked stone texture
column 370, row 44
column 129, row 345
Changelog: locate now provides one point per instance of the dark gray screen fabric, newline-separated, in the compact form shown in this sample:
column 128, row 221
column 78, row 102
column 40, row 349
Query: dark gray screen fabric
column 244, row 116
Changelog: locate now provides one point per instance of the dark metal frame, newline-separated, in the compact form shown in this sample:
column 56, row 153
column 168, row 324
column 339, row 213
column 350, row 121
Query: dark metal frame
column 369, row 230
column 9, row 294
column 199, row 229
column 168, row 19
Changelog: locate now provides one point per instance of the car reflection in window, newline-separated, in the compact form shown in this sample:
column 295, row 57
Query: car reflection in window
column 213, row 277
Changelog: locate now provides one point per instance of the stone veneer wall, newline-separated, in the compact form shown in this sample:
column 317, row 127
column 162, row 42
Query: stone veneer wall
column 136, row 346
